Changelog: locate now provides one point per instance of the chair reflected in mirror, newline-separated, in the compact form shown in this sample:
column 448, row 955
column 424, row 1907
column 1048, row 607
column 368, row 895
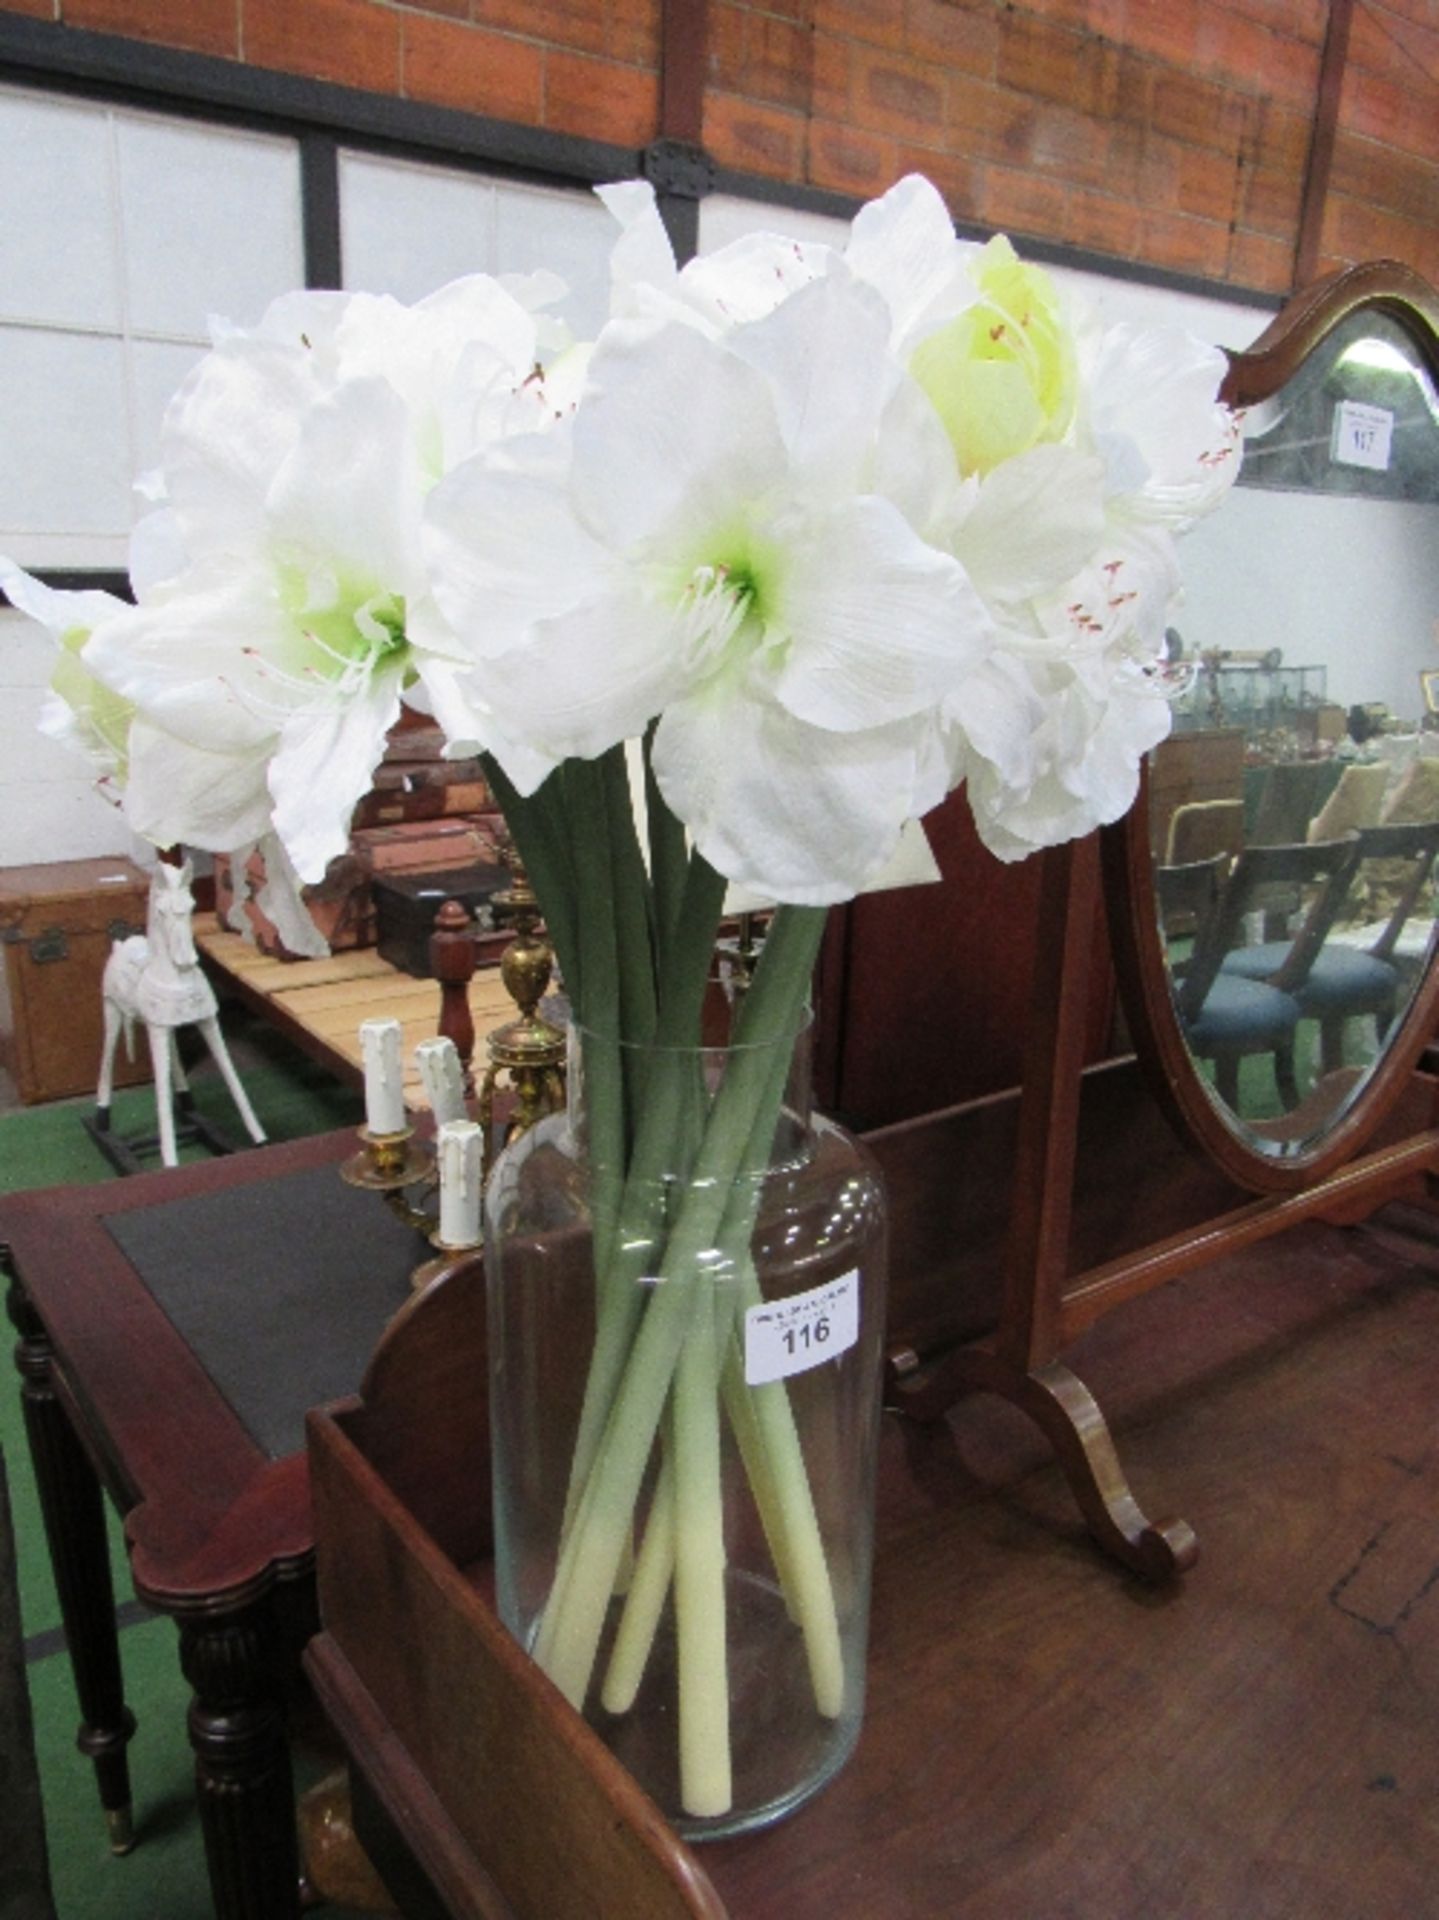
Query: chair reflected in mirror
column 1348, row 962
column 1224, row 1018
column 1198, row 829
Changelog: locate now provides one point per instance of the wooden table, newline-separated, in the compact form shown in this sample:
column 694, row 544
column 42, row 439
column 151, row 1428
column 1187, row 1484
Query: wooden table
column 319, row 1004
column 173, row 1329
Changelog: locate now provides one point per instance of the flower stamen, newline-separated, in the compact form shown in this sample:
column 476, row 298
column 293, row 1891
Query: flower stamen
column 713, row 607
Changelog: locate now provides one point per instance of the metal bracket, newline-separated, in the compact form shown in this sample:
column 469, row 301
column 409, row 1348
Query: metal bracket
column 48, row 947
column 678, row 167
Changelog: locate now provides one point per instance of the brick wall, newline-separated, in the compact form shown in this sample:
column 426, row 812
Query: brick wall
column 1169, row 131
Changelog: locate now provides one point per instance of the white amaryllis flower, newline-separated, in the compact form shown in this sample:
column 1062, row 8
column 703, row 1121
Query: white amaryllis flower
column 269, row 671
column 1086, row 449
column 1050, row 733
column 283, row 603
column 1171, row 448
column 78, row 711
column 711, row 544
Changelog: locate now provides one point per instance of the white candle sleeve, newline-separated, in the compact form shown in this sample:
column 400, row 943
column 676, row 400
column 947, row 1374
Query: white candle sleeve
column 459, row 1157
column 442, row 1077
column 384, row 1089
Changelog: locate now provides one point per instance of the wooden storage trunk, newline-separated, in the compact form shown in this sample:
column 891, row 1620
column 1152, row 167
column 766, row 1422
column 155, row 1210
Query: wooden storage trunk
column 57, row 924
column 406, row 905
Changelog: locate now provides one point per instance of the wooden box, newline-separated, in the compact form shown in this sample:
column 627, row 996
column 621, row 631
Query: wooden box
column 57, row 924
column 406, row 905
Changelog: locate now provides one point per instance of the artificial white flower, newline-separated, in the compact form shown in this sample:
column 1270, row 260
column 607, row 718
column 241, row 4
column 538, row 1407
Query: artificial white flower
column 1172, row 449
column 78, row 711
column 714, row 550
column 283, row 601
column 281, row 651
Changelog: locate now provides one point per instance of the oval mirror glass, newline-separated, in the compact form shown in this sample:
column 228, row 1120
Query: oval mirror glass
column 1294, row 811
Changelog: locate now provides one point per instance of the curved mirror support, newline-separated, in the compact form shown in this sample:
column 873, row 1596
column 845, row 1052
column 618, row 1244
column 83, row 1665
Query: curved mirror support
column 1281, row 887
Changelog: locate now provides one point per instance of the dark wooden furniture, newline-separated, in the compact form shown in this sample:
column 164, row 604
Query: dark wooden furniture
column 923, row 996
column 1206, row 765
column 25, row 1892
column 57, row 923
column 1040, row 1738
column 173, row 1330
column 1057, row 1282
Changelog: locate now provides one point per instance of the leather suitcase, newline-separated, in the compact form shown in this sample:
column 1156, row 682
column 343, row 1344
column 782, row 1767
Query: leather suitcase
column 57, row 923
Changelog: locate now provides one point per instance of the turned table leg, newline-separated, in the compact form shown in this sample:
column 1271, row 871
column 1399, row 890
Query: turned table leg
column 242, row 1765
column 74, row 1513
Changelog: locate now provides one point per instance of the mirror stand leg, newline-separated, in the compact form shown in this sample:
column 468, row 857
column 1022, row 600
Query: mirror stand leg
column 1068, row 1415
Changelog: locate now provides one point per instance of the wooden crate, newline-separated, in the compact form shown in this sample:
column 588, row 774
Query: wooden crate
column 57, row 923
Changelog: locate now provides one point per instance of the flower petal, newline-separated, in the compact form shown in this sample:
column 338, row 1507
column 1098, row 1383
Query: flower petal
column 505, row 550
column 157, row 551
column 323, row 767
column 179, row 794
column 347, row 497
column 278, row 898
column 194, row 659
column 585, row 679
column 790, row 813
column 1036, row 520
column 752, row 276
column 904, row 245
column 675, row 433
column 643, row 255
column 59, row 611
column 1154, row 408
column 880, row 625
column 470, row 724
column 824, row 354
column 225, row 433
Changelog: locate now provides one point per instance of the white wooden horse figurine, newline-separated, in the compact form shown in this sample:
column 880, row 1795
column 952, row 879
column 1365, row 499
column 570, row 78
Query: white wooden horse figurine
column 156, row 977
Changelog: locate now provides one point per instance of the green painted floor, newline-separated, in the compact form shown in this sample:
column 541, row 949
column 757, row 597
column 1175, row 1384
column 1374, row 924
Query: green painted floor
column 164, row 1877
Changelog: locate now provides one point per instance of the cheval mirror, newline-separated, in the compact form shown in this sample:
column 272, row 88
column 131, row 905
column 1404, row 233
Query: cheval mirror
column 1274, row 890
column 1271, row 896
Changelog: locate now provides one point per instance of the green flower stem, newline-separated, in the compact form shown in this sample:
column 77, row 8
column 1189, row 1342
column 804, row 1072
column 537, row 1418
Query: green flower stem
column 668, row 853
column 804, row 1571
column 644, row 1603
column 624, row 1259
column 747, row 1104
column 635, row 1635
column 745, row 1426
column 633, row 911
column 599, row 1008
column 706, row 1786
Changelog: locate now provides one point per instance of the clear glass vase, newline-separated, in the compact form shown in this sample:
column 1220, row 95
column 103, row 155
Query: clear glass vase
column 685, row 1344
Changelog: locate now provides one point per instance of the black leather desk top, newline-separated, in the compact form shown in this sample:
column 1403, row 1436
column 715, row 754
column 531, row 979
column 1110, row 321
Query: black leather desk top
column 281, row 1289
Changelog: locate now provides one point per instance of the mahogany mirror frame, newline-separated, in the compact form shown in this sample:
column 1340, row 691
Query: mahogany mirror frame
column 1304, row 323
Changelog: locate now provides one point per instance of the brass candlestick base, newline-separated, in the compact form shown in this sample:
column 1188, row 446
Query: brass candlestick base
column 390, row 1162
column 528, row 1052
column 451, row 1254
column 387, row 1160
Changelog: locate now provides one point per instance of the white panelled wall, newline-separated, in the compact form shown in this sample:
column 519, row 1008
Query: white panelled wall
column 122, row 233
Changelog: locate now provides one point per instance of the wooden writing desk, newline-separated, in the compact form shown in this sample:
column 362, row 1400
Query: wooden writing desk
column 173, row 1330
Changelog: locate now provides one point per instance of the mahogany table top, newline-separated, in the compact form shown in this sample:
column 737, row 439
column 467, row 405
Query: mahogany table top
column 200, row 1439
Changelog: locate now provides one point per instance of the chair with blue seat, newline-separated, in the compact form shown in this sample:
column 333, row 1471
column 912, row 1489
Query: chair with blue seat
column 1333, row 979
column 1224, row 1018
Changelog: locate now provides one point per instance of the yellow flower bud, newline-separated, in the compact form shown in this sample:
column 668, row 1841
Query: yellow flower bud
column 1001, row 376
